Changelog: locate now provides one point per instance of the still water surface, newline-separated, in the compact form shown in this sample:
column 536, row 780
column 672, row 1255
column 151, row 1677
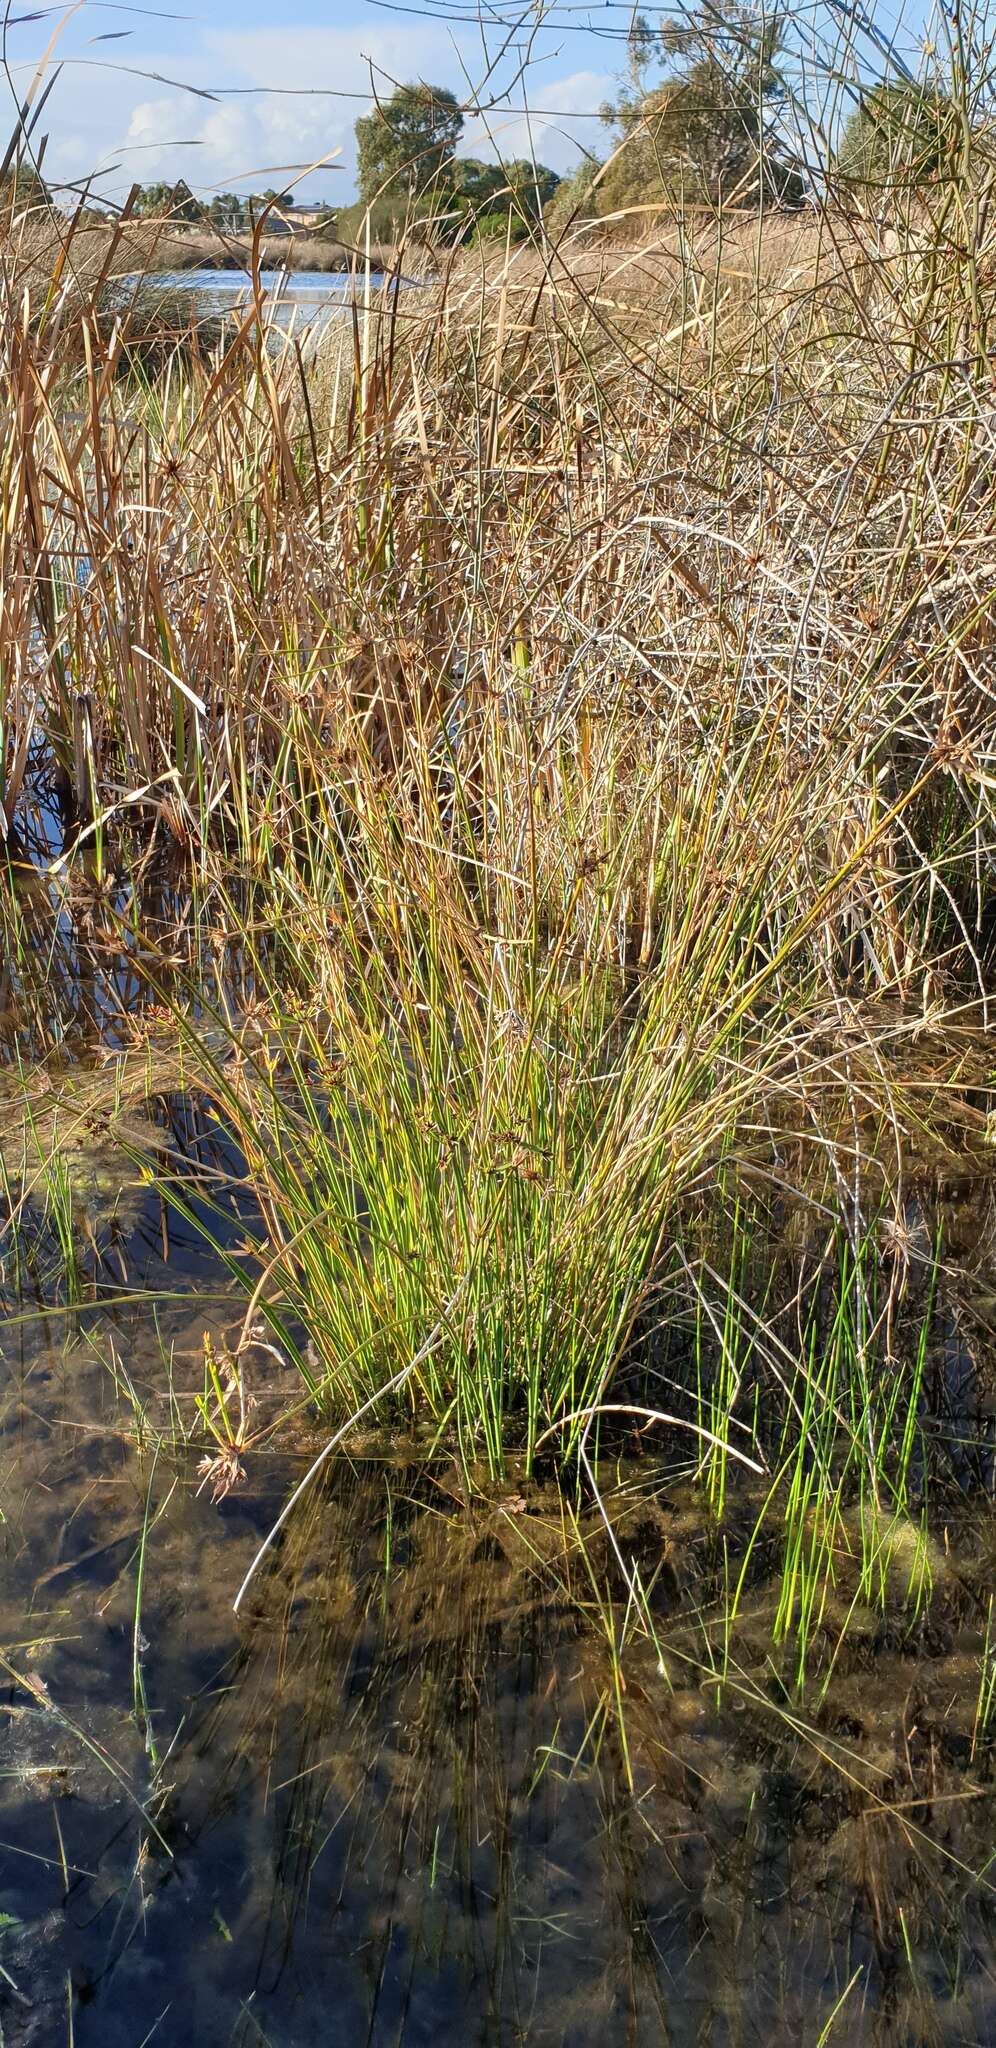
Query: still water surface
column 302, row 299
column 407, row 1795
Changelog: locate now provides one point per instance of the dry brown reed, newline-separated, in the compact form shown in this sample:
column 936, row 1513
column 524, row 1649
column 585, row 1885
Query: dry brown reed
column 586, row 658
column 730, row 476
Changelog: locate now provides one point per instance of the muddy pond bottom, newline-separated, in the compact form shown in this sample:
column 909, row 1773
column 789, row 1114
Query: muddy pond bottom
column 410, row 1794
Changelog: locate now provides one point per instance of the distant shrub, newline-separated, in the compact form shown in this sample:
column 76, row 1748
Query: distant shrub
column 707, row 134
column 901, row 135
column 500, row 227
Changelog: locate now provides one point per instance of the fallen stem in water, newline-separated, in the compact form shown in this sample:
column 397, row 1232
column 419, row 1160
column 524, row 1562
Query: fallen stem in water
column 652, row 1415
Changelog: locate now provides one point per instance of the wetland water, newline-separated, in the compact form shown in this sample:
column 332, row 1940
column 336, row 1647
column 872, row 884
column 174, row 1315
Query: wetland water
column 302, row 301
column 409, row 1793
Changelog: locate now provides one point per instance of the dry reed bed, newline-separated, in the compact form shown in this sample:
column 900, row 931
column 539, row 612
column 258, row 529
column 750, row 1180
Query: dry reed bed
column 732, row 463
column 589, row 659
column 721, row 500
column 135, row 247
column 714, row 507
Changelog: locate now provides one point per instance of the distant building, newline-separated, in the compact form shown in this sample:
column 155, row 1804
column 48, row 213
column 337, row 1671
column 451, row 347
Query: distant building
column 286, row 219
column 312, row 217
column 238, row 217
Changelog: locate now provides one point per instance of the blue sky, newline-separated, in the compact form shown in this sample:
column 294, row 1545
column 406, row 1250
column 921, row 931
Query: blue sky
column 276, row 78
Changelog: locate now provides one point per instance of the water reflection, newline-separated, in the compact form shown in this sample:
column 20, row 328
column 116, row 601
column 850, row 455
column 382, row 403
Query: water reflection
column 294, row 300
column 403, row 1797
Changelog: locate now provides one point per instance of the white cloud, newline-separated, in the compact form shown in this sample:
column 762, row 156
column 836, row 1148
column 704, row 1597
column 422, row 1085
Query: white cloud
column 238, row 142
column 555, row 141
column 104, row 118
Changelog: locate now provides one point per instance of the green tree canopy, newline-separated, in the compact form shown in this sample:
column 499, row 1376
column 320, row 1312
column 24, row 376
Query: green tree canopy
column 175, row 200
column 153, row 198
column 228, row 208
column 22, row 187
column 404, row 142
column 492, row 192
column 532, row 186
column 709, row 131
column 475, row 182
column 901, row 135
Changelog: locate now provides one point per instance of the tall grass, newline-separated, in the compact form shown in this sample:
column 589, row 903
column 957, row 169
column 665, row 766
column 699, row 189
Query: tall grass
column 485, row 1110
column 584, row 666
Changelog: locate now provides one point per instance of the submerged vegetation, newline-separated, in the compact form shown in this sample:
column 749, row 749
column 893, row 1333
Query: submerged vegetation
column 500, row 856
